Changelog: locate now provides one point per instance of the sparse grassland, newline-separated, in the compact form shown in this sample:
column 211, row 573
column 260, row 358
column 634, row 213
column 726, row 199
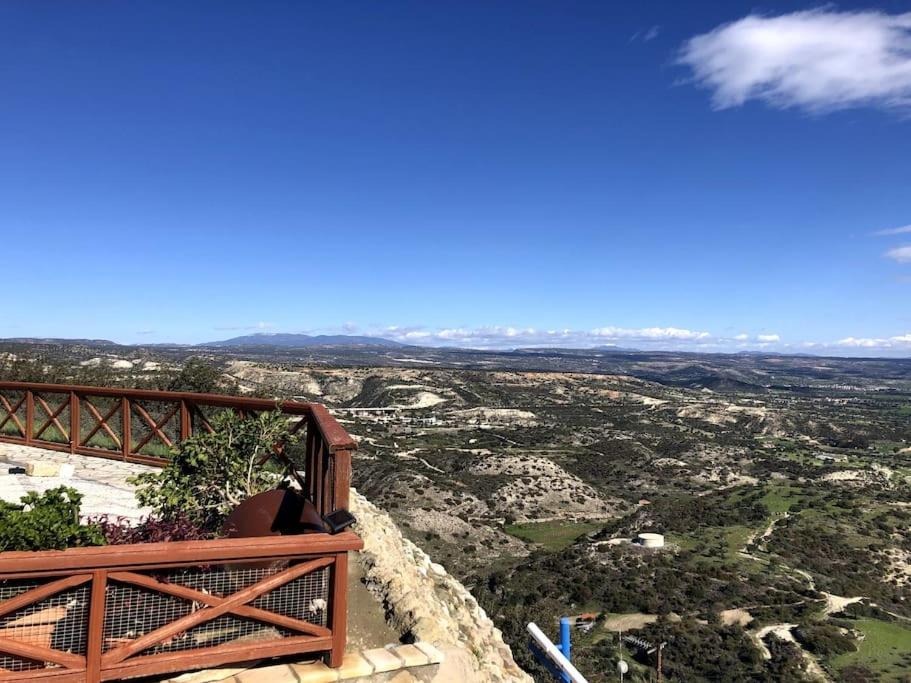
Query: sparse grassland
column 552, row 536
column 885, row 648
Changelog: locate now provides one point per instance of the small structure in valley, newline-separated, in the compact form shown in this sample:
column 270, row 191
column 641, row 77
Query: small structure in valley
column 650, row 540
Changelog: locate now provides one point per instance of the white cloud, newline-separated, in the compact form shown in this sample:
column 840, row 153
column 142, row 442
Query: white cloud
column 742, row 337
column 904, row 230
column 768, row 338
column 900, row 254
column 510, row 337
column 816, row 60
column 898, row 341
column 648, row 333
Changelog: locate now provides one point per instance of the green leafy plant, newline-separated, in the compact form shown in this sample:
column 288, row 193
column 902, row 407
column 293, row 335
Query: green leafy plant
column 209, row 474
column 46, row 521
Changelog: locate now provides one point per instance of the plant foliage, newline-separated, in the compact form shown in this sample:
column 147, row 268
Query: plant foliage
column 209, row 474
column 46, row 521
column 120, row 531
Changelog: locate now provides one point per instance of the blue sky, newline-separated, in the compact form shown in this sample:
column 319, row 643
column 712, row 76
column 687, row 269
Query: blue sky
column 662, row 175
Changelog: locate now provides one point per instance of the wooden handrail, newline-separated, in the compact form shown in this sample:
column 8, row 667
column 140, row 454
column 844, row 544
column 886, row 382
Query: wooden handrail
column 173, row 553
column 334, row 434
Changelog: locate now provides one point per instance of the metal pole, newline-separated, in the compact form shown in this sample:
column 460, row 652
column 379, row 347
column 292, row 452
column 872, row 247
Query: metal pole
column 565, row 643
column 620, row 637
column 554, row 654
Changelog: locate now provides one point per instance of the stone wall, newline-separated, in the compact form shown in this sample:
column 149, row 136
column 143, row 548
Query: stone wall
column 424, row 600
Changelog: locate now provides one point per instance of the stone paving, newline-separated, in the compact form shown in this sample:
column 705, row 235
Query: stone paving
column 414, row 663
column 102, row 482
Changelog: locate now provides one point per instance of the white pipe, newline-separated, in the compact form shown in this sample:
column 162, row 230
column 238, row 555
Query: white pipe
column 554, row 653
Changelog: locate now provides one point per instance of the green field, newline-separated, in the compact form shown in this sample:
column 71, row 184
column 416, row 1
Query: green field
column 552, row 535
column 885, row 649
column 779, row 499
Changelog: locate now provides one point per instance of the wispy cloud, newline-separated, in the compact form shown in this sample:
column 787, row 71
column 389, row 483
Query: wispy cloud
column 768, row 338
column 145, row 333
column 246, row 328
column 816, row 60
column 904, row 230
column 900, row 254
column 646, row 35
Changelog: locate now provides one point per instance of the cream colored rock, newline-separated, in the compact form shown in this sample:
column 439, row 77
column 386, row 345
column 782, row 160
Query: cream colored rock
column 431, row 605
column 41, row 468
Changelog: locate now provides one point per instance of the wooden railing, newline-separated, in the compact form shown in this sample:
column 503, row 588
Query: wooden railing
column 92, row 614
column 142, row 426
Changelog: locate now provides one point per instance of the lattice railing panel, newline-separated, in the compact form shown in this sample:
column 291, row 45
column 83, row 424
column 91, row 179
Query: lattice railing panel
column 155, row 427
column 101, row 422
column 219, row 631
column 134, row 611
column 304, row 598
column 201, row 417
column 12, row 414
column 57, row 622
column 52, row 417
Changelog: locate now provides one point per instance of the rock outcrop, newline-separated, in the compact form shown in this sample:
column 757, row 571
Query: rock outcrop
column 424, row 600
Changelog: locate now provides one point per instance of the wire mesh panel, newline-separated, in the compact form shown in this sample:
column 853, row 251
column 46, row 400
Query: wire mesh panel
column 133, row 611
column 58, row 622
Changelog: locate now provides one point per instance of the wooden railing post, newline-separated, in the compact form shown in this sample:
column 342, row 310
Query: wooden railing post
column 95, row 636
column 127, row 426
column 310, row 458
column 74, row 422
column 341, row 482
column 29, row 416
column 338, row 609
column 186, row 425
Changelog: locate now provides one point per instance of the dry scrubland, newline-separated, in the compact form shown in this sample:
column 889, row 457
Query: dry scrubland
column 783, row 487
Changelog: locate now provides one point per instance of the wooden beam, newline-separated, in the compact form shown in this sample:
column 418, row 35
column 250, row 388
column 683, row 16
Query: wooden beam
column 34, row 595
column 203, row 658
column 41, row 654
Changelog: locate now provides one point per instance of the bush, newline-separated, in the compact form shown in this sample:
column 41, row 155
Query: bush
column 209, row 474
column 119, row 531
column 46, row 521
column 824, row 639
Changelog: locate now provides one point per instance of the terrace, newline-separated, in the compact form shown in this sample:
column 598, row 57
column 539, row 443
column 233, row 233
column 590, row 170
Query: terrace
column 155, row 609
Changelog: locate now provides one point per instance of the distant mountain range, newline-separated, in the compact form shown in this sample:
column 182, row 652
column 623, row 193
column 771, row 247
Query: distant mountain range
column 297, row 341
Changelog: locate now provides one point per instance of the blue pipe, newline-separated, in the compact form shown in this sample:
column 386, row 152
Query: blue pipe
column 565, row 644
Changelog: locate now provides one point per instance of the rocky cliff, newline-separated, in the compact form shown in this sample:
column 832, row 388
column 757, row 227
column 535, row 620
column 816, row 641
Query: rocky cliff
column 422, row 599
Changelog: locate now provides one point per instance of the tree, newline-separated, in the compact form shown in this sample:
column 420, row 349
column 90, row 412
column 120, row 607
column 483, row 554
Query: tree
column 209, row 474
column 197, row 375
